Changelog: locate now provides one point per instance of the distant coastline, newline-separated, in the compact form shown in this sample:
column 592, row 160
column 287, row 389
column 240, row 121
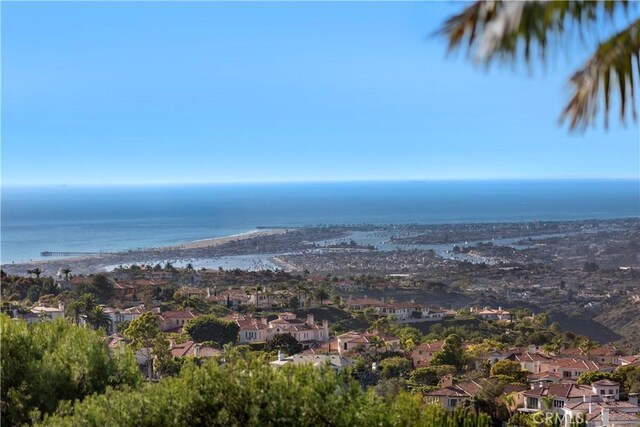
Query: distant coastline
column 275, row 248
column 216, row 241
column 115, row 219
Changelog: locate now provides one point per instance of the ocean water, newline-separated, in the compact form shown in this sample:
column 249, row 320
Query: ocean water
column 91, row 219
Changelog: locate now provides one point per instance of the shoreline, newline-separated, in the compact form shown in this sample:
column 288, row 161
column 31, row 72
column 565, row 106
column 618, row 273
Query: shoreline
column 142, row 256
column 217, row 241
column 278, row 245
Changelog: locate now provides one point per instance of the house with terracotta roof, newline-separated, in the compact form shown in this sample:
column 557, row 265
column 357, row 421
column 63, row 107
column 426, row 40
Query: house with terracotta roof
column 493, row 314
column 558, row 395
column 452, row 395
column 272, row 298
column 117, row 315
column 193, row 292
column 252, row 329
column 230, row 298
column 630, row 360
column 124, row 291
column 173, row 321
column 128, row 314
column 604, row 416
column 192, row 349
column 306, row 331
column 353, row 340
column 597, row 403
column 608, row 354
column 411, row 312
column 422, row 354
column 533, row 361
column 571, row 369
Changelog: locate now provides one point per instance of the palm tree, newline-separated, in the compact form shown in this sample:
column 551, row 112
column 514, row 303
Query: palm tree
column 586, row 346
column 408, row 345
column 97, row 318
column 268, row 293
column 322, row 294
column 510, row 401
column 376, row 342
column 73, row 311
column 547, row 402
column 301, row 289
column 505, row 30
column 66, row 272
column 36, row 271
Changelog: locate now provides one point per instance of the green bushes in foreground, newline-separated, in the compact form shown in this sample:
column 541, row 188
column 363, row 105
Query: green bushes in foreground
column 250, row 393
column 48, row 362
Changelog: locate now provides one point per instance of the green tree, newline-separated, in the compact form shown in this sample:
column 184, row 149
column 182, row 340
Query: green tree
column 144, row 333
column 193, row 303
column 284, row 342
column 630, row 378
column 394, row 367
column 425, row 376
column 588, row 378
column 210, row 328
column 506, row 31
column 43, row 364
column 102, row 286
column 293, row 303
column 511, row 370
column 451, row 353
column 244, row 393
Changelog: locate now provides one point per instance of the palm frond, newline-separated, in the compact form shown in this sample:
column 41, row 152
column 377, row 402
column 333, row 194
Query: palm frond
column 510, row 30
column 615, row 62
column 506, row 30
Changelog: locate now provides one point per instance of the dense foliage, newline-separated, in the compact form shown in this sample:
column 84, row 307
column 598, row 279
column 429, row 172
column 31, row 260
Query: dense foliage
column 285, row 343
column 45, row 363
column 249, row 393
column 210, row 328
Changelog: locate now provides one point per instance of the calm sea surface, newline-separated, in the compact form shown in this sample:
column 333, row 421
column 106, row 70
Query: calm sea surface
column 117, row 218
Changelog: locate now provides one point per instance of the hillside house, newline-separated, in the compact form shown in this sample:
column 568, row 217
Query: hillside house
column 422, row 354
column 306, row 331
column 367, row 341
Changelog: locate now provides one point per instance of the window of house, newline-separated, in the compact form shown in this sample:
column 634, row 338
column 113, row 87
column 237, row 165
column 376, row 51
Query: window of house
column 566, row 374
column 601, row 391
column 532, row 402
column 610, row 391
column 453, row 402
column 558, row 403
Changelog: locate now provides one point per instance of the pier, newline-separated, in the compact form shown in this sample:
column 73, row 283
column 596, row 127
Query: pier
column 65, row 254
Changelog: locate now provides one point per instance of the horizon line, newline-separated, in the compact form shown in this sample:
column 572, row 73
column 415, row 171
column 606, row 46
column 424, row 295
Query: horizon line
column 328, row 181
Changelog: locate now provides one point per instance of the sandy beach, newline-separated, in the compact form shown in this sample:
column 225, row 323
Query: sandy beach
column 198, row 249
column 208, row 243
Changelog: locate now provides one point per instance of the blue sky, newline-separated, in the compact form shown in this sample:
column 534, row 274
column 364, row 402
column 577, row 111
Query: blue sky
column 139, row 93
